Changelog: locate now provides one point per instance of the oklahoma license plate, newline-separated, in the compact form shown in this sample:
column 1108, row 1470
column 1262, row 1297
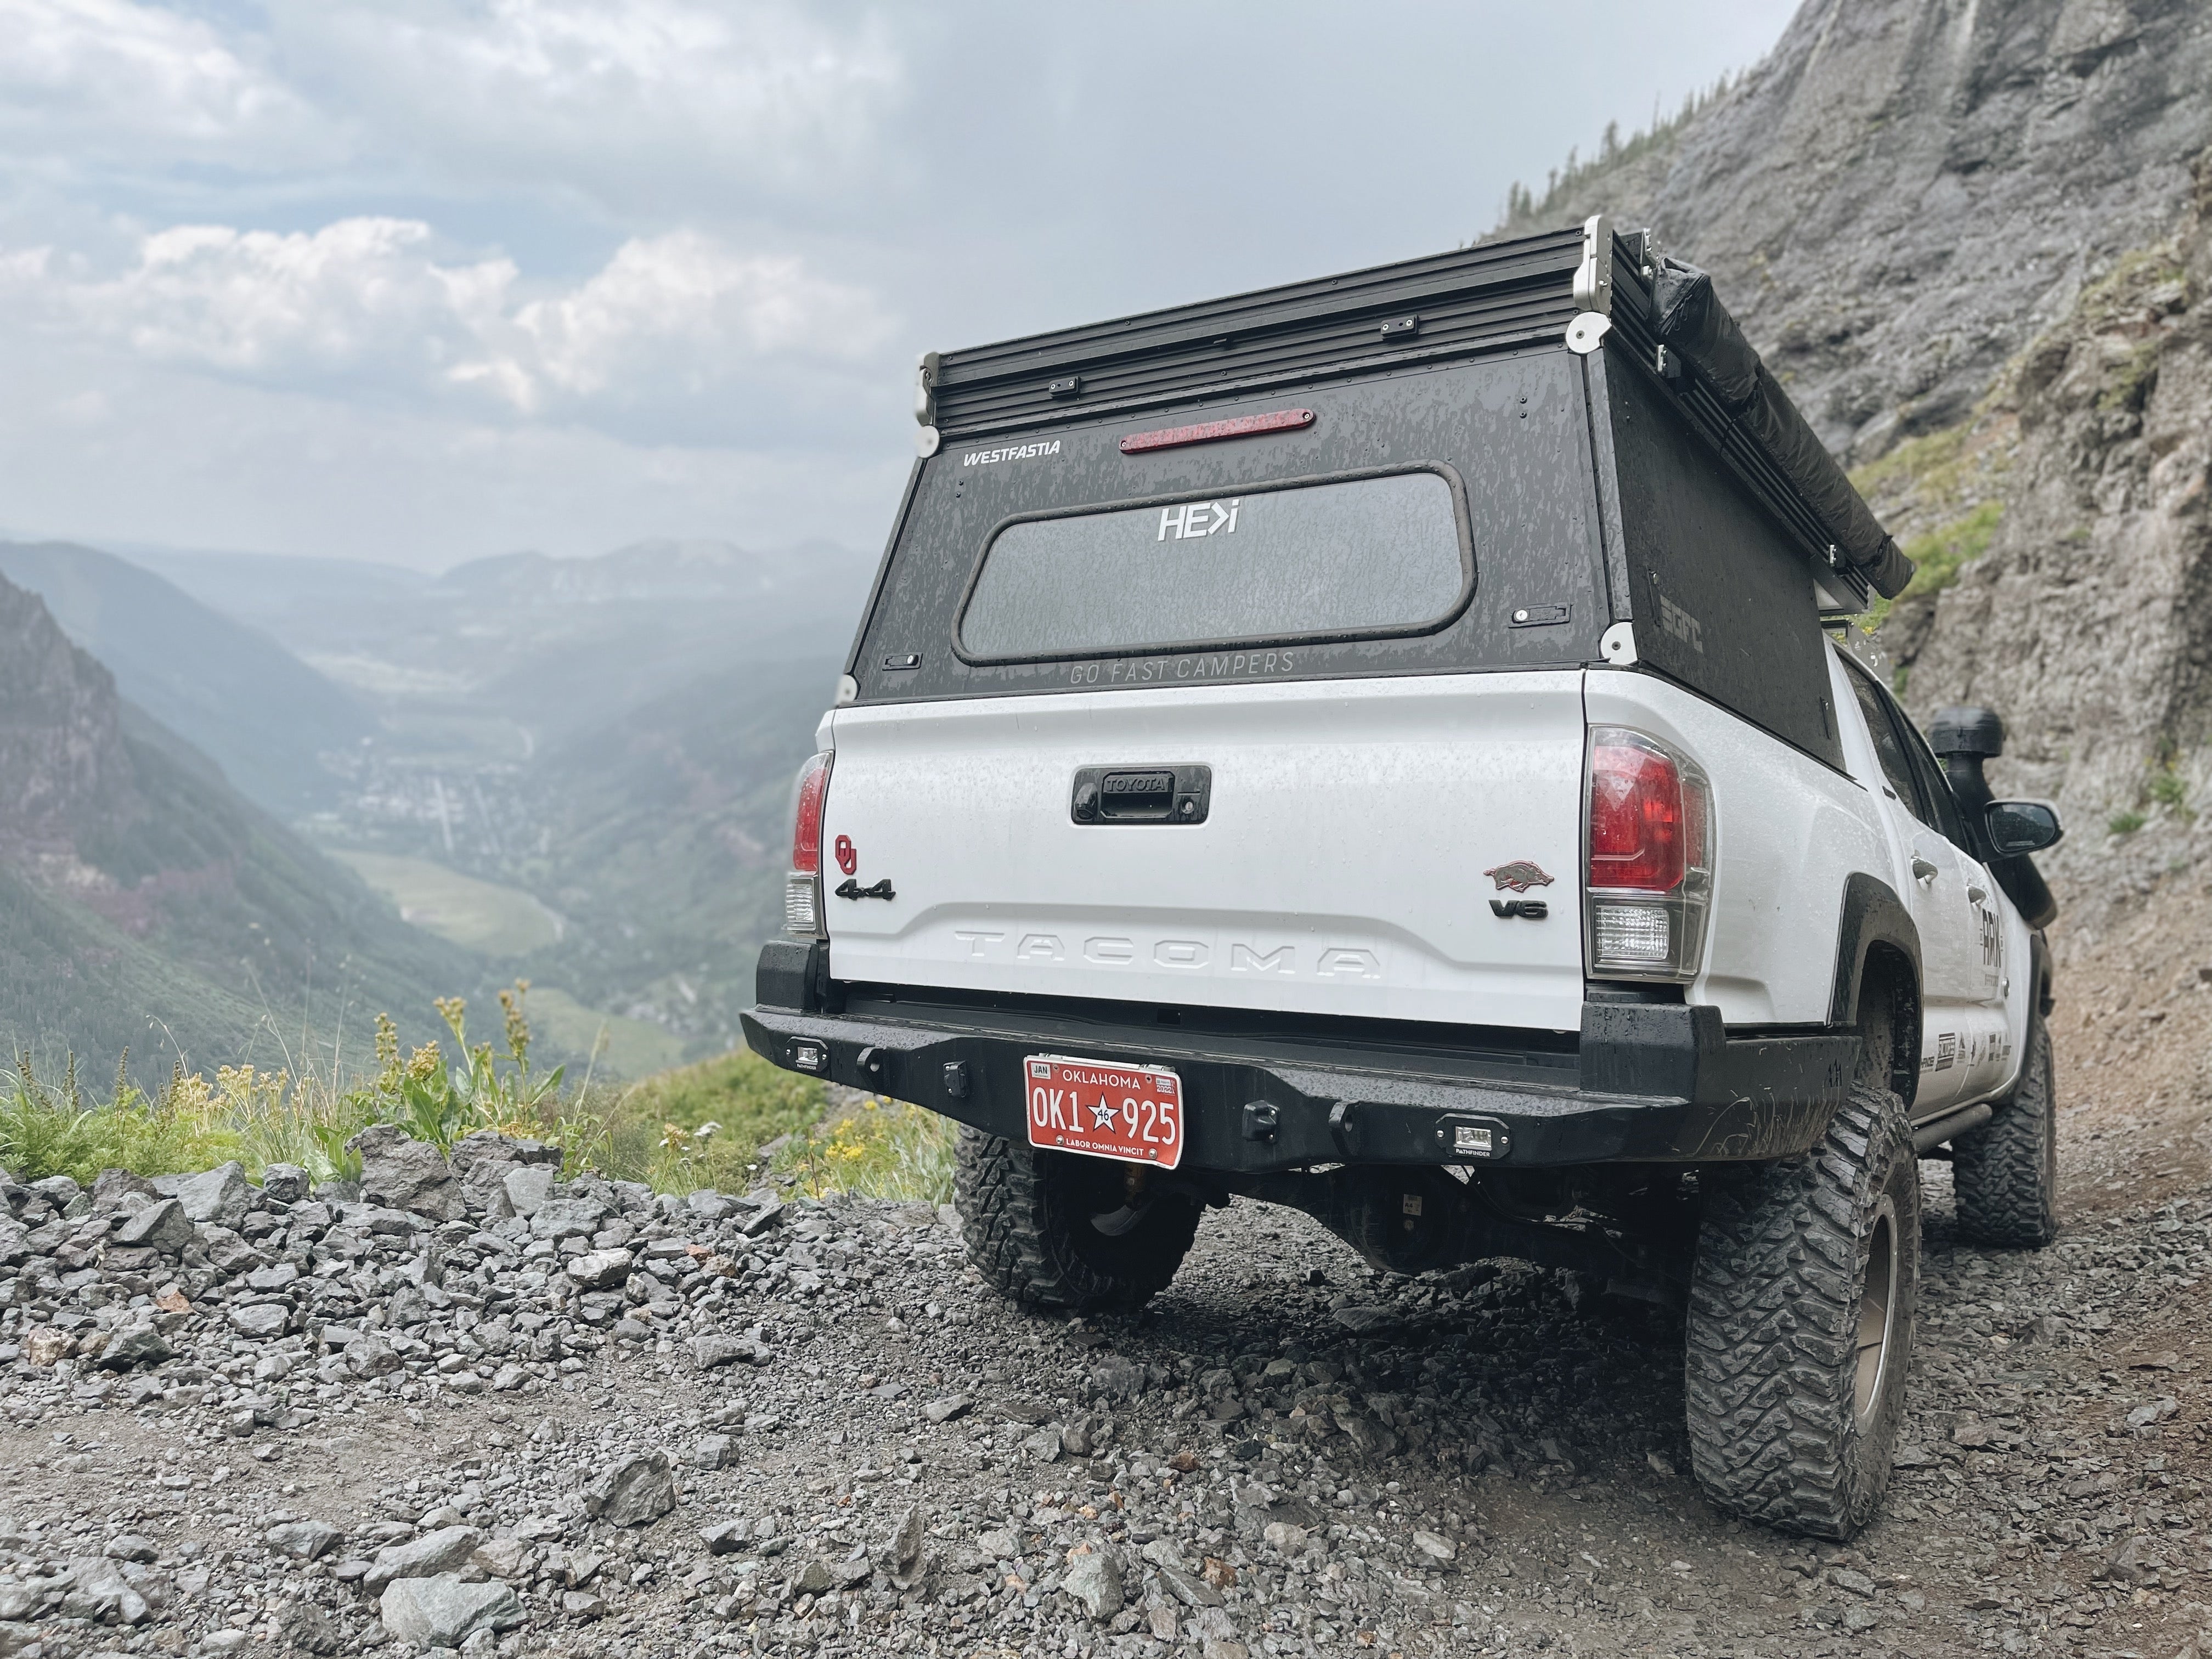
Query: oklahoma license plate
column 1134, row 1113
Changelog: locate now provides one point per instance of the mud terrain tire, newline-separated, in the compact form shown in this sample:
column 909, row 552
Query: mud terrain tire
column 2006, row 1172
column 1799, row 1264
column 1030, row 1222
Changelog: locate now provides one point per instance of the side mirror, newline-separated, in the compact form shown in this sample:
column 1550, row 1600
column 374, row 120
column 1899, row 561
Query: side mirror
column 2019, row 827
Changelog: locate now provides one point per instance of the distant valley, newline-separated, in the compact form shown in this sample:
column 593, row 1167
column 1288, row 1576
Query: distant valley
column 575, row 771
column 147, row 908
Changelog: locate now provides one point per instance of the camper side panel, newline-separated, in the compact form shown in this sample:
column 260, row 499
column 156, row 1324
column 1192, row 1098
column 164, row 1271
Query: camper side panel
column 1721, row 594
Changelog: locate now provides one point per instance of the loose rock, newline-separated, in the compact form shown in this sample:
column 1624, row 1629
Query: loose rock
column 305, row 1540
column 1094, row 1579
column 445, row 1611
column 218, row 1196
column 635, row 1491
column 406, row 1174
column 446, row 1550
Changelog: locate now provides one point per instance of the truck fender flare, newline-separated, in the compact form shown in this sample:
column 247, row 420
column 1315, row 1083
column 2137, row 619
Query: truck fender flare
column 1872, row 915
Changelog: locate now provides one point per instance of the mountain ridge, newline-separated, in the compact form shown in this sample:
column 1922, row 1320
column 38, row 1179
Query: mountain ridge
column 226, row 686
column 145, row 904
column 1902, row 195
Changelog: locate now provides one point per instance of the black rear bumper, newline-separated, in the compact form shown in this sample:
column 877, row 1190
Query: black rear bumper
column 1643, row 1084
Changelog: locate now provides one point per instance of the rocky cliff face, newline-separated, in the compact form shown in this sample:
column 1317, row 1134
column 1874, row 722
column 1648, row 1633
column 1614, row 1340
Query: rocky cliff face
column 2089, row 620
column 61, row 741
column 1906, row 192
column 1972, row 239
column 144, row 904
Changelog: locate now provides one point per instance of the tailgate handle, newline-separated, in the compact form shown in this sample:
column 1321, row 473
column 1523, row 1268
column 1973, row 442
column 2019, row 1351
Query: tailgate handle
column 1142, row 795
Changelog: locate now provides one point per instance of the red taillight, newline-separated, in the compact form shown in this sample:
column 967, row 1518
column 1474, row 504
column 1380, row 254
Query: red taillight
column 806, row 827
column 1644, row 834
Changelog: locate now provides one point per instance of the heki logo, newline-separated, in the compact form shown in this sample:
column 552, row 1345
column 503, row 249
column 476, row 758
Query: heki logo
column 1199, row 518
column 1681, row 625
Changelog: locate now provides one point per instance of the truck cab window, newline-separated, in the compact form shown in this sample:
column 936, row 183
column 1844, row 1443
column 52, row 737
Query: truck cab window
column 1888, row 746
column 1934, row 786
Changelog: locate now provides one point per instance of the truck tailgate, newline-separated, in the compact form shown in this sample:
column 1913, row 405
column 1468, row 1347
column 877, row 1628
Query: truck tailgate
column 1340, row 867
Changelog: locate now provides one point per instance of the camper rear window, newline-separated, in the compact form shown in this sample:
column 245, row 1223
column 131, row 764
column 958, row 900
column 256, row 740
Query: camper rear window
column 1345, row 558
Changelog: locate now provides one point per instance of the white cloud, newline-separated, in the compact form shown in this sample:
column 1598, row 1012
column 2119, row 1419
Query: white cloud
column 628, row 100
column 366, row 303
column 183, row 458
column 264, row 304
column 681, row 303
column 102, row 77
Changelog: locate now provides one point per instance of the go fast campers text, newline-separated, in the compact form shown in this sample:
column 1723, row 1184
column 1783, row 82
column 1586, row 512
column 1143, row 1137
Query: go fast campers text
column 1199, row 666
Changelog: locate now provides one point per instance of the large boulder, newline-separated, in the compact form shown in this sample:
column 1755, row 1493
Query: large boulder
column 220, row 1195
column 565, row 1217
column 162, row 1225
column 485, row 1161
column 488, row 1145
column 365, row 1357
column 98, row 1592
column 444, row 1611
column 407, row 1174
column 1094, row 1579
column 601, row 1270
column 713, row 1349
column 138, row 1343
column 304, row 1540
column 446, row 1550
column 287, row 1183
column 261, row 1320
column 120, row 1190
column 527, row 1186
column 636, row 1490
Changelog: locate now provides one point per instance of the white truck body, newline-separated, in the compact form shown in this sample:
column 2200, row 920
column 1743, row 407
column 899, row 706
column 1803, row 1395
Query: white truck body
column 1334, row 874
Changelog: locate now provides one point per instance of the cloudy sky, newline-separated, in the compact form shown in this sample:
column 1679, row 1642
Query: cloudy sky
column 420, row 280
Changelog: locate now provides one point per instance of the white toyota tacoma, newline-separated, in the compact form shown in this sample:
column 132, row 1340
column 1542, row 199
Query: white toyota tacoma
column 1375, row 745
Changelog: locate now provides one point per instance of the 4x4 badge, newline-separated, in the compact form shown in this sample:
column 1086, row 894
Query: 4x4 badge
column 1520, row 875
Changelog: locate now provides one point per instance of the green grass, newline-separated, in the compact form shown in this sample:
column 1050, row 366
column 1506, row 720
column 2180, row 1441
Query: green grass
column 2132, row 379
column 878, row 1149
column 700, row 1126
column 658, row 1132
column 2115, row 300
column 478, row 915
column 1939, row 556
column 708, row 1125
column 49, row 1129
column 2125, row 823
column 1934, row 464
column 620, row 1046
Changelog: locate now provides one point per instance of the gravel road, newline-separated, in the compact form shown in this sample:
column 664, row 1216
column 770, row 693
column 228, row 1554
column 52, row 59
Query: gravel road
column 608, row 1425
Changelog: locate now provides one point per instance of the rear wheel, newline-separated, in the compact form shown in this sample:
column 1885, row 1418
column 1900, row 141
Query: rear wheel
column 1059, row 1229
column 1801, row 1324
column 2006, row 1172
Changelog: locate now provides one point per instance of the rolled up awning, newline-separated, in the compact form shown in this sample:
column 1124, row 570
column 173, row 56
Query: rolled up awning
column 1691, row 321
